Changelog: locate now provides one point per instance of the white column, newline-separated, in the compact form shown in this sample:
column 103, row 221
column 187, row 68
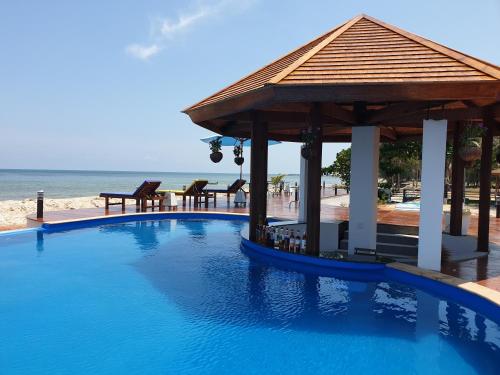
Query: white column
column 364, row 184
column 303, row 190
column 431, row 194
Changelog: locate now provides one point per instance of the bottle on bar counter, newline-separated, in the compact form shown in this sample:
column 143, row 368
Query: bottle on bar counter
column 286, row 242
column 291, row 242
column 265, row 229
column 303, row 244
column 298, row 241
column 270, row 237
column 276, row 243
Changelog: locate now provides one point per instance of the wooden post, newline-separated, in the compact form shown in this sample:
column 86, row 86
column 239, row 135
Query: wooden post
column 457, row 185
column 497, row 202
column 314, row 183
column 483, row 231
column 258, row 176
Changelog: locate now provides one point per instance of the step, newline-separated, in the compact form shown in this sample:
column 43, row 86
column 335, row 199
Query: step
column 394, row 229
column 397, row 229
column 388, row 248
column 403, row 239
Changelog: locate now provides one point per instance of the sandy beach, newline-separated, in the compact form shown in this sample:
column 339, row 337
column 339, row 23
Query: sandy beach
column 13, row 212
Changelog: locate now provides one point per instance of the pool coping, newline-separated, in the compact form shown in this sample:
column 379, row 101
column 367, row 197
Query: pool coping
column 470, row 287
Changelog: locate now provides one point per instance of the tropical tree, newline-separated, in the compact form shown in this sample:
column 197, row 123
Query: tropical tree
column 341, row 167
column 399, row 161
column 276, row 182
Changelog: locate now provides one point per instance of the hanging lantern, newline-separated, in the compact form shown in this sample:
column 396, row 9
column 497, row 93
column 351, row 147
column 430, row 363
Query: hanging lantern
column 238, row 154
column 215, row 147
column 470, row 150
column 306, row 149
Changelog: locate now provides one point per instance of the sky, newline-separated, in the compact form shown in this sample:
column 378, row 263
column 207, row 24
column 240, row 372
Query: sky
column 101, row 84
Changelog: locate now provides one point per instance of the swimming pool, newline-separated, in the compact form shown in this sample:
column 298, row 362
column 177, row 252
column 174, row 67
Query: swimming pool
column 181, row 296
column 408, row 206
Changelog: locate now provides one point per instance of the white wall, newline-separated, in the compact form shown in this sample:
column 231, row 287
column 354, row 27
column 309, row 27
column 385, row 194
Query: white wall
column 364, row 183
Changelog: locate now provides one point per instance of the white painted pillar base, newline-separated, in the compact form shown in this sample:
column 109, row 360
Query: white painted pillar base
column 364, row 185
column 431, row 195
column 303, row 190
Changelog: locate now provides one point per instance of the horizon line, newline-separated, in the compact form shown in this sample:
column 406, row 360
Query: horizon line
column 130, row 171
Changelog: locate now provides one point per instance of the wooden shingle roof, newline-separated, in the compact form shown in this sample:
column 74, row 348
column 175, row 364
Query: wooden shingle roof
column 362, row 51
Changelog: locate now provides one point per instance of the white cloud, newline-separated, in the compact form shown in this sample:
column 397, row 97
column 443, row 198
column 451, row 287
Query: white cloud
column 165, row 29
column 142, row 52
column 169, row 28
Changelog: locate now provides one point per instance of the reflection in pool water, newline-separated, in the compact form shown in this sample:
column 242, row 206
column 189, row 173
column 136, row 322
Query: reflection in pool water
column 179, row 296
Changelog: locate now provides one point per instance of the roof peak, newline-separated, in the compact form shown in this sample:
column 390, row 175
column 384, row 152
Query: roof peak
column 333, row 34
column 477, row 64
column 363, row 50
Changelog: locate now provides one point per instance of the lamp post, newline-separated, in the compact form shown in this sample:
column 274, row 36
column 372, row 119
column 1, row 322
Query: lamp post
column 39, row 204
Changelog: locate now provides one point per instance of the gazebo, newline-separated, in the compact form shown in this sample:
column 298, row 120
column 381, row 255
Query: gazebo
column 364, row 82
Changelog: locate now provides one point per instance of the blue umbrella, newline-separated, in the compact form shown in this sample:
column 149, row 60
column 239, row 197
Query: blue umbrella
column 231, row 141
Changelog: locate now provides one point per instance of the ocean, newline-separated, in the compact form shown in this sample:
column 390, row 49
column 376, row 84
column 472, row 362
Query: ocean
column 16, row 184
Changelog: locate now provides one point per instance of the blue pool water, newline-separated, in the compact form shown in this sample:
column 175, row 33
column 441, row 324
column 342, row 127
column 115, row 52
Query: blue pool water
column 181, row 297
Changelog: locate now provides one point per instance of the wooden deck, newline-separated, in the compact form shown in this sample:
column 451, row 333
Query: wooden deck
column 485, row 271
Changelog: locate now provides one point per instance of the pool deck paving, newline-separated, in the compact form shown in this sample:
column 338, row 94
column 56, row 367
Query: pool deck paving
column 482, row 271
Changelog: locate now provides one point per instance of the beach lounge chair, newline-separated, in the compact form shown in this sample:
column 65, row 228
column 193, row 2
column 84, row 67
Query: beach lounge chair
column 194, row 190
column 147, row 190
column 231, row 189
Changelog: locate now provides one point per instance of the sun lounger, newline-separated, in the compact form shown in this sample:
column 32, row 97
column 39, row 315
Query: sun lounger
column 231, row 189
column 194, row 190
column 147, row 190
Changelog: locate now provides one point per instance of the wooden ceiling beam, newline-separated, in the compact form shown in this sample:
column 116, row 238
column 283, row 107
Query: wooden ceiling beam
column 455, row 114
column 399, row 110
column 330, row 116
column 389, row 133
column 296, row 121
column 286, row 107
column 335, row 111
column 232, row 127
column 270, row 117
column 470, row 103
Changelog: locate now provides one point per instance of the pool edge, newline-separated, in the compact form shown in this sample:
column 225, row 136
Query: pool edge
column 467, row 288
column 470, row 294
